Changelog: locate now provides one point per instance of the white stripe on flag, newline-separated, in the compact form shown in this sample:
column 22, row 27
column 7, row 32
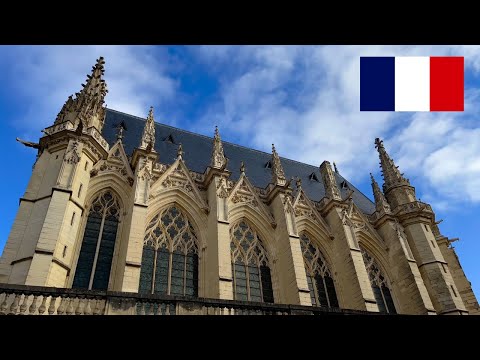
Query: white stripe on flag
column 412, row 83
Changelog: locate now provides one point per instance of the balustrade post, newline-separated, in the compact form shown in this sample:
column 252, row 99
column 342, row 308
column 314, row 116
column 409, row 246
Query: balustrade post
column 33, row 305
column 23, row 307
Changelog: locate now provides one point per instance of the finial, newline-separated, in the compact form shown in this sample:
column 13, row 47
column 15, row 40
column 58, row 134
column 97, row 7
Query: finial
column 120, row 133
column 329, row 181
column 148, row 136
column 242, row 168
column 381, row 203
column 218, row 159
column 298, row 183
column 278, row 175
column 391, row 175
column 179, row 151
column 335, row 167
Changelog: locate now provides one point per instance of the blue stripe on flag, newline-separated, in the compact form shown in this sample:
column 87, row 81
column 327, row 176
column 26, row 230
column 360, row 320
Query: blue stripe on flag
column 377, row 84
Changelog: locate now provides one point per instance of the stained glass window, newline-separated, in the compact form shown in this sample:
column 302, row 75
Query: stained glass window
column 380, row 288
column 251, row 272
column 170, row 255
column 319, row 276
column 96, row 254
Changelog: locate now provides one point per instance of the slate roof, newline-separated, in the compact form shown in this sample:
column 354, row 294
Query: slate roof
column 197, row 151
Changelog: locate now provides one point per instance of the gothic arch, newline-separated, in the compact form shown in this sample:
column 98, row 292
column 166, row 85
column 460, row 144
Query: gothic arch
column 375, row 249
column 111, row 209
column 264, row 227
column 261, row 223
column 253, row 266
column 191, row 208
column 379, row 276
column 113, row 181
column 319, row 270
column 319, row 235
column 173, row 245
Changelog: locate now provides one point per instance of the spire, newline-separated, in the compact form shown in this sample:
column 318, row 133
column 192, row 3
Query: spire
column 242, row 168
column 335, row 167
column 218, row 160
column 298, row 183
column 329, row 182
column 391, row 174
column 148, row 136
column 278, row 176
column 381, row 203
column 180, row 152
column 120, row 132
column 88, row 105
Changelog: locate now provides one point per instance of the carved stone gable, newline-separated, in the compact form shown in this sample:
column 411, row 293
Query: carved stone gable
column 244, row 193
column 116, row 162
column 177, row 176
column 303, row 207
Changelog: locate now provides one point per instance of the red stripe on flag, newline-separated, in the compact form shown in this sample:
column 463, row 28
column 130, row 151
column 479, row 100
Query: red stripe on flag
column 446, row 83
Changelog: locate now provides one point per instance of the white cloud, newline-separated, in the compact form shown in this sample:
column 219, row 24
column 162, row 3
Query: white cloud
column 42, row 77
column 306, row 100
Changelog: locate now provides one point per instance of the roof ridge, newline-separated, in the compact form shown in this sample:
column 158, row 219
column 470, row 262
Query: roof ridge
column 211, row 137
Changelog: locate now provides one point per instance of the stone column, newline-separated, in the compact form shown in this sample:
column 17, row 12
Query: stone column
column 136, row 224
column 218, row 262
column 292, row 277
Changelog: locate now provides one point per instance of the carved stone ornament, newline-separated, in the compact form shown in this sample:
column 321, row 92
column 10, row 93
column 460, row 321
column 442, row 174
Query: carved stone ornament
column 222, row 189
column 148, row 136
column 218, row 159
column 72, row 156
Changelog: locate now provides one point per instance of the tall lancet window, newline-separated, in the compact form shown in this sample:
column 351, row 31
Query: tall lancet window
column 96, row 254
column 319, row 276
column 170, row 255
column 251, row 272
column 379, row 284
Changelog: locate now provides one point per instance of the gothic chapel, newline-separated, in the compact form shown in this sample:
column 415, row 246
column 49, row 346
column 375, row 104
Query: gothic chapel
column 124, row 215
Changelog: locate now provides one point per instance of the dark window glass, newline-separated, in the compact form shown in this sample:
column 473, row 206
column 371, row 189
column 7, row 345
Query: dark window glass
column 146, row 271
column 312, row 290
column 332, row 295
column 382, row 293
column 322, row 294
column 176, row 271
column 320, row 282
column 98, row 243
column 378, row 298
column 266, row 284
column 388, row 300
column 105, row 254
column 251, row 276
column 161, row 271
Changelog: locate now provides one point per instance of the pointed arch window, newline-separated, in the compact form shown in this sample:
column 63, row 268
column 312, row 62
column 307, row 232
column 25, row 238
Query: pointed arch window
column 380, row 287
column 250, row 267
column 319, row 276
column 96, row 254
column 170, row 255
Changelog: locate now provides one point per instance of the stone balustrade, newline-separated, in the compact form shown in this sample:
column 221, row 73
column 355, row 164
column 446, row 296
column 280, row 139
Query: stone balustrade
column 58, row 127
column 93, row 132
column 36, row 300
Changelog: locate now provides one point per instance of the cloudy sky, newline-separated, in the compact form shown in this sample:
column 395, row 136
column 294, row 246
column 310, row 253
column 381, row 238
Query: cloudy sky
column 305, row 99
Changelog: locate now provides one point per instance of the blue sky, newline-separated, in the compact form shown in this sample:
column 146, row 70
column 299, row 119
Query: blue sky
column 305, row 99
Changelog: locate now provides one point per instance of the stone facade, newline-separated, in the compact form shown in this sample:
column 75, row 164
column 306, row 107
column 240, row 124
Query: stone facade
column 408, row 255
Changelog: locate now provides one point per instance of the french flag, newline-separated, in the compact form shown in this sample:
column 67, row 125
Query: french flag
column 415, row 83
